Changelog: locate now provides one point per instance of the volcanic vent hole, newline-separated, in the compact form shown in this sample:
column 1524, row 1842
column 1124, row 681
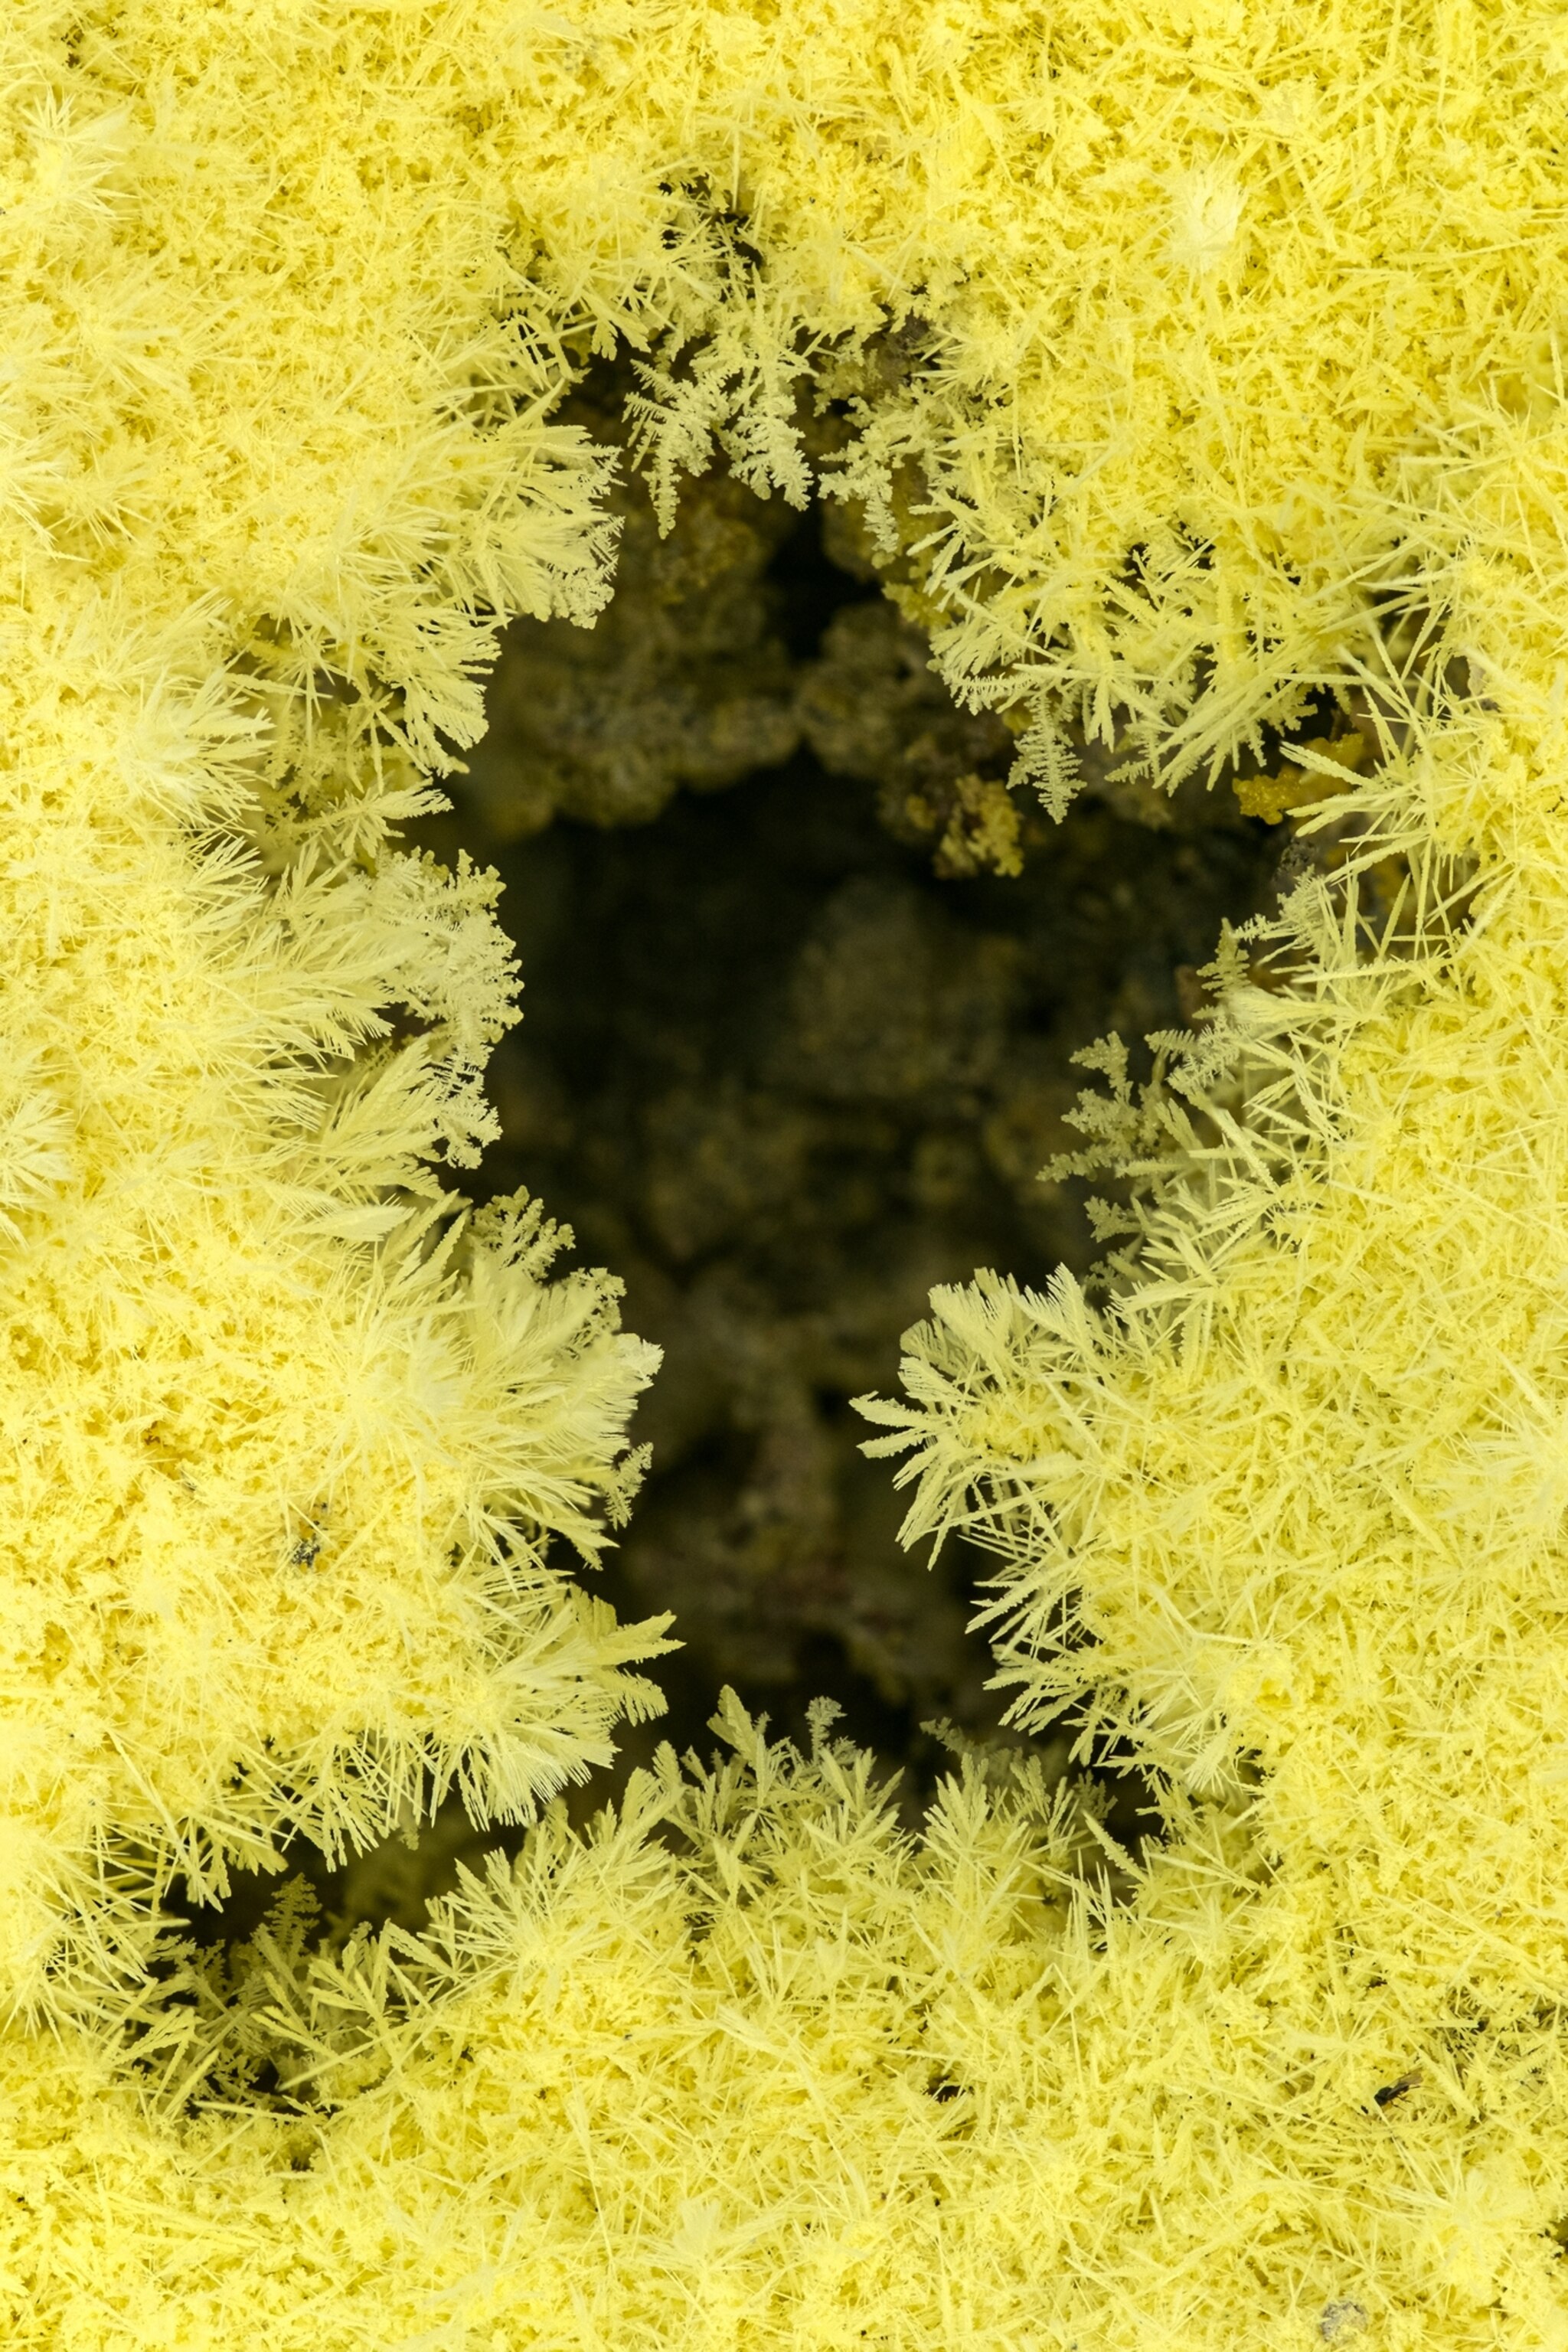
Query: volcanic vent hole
column 793, row 1052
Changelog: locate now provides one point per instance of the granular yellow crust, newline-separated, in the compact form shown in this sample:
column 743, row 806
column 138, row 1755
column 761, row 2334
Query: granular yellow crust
column 1195, row 370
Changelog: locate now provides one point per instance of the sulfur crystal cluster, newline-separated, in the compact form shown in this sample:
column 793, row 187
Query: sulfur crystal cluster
column 1189, row 373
